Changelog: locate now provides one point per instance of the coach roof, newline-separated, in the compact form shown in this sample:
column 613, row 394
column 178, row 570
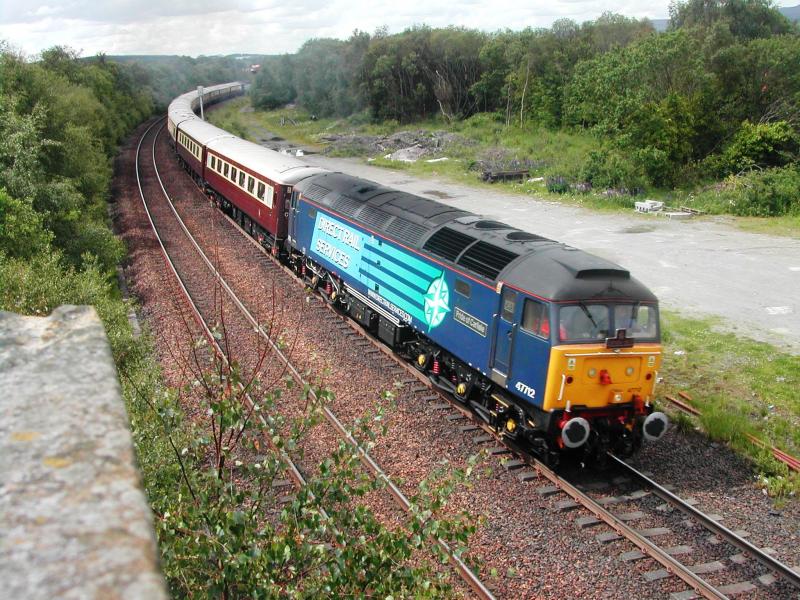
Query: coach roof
column 280, row 168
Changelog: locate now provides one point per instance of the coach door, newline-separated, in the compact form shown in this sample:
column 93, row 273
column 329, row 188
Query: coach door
column 292, row 214
column 504, row 336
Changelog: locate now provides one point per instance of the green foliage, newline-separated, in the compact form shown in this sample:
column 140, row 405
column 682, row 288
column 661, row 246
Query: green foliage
column 609, row 168
column 60, row 122
column 223, row 531
column 769, row 193
column 759, row 145
column 24, row 233
column 746, row 19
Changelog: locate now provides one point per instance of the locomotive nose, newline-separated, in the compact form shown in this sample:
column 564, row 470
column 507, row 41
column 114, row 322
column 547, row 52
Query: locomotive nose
column 655, row 426
column 575, row 432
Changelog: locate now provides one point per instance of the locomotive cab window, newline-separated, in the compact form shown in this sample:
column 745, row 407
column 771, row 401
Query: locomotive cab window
column 583, row 322
column 638, row 321
column 535, row 319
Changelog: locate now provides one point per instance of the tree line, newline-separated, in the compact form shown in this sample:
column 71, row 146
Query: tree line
column 716, row 93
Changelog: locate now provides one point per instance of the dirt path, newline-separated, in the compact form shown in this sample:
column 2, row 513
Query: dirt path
column 700, row 267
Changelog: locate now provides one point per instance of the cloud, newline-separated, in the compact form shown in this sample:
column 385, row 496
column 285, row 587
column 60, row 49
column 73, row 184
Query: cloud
column 197, row 27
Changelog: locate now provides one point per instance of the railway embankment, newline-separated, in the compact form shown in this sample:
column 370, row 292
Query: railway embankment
column 74, row 519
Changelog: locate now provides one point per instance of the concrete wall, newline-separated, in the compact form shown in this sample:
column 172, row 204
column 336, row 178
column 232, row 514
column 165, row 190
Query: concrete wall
column 74, row 521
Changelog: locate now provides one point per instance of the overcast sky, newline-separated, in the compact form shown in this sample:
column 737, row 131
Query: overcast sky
column 194, row 27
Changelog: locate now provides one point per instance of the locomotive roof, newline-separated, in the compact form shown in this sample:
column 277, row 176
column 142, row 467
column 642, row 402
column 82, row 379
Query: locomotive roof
column 489, row 250
column 281, row 168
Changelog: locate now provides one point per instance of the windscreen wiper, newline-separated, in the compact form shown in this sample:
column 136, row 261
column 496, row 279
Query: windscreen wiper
column 588, row 315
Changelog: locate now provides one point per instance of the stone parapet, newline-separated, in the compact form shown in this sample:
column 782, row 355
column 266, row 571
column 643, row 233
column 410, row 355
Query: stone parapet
column 74, row 520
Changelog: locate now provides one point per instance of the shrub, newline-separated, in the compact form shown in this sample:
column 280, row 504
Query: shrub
column 610, row 169
column 557, row 185
column 768, row 193
column 757, row 145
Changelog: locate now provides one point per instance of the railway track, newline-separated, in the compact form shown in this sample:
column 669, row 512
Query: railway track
column 169, row 246
column 528, row 470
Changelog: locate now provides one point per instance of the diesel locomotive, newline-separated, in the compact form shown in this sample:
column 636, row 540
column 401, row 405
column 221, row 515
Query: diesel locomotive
column 554, row 347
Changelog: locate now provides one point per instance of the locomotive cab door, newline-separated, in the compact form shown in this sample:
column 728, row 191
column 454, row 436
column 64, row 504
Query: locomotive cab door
column 504, row 332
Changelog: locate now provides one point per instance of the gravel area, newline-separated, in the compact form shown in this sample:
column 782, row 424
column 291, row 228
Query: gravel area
column 536, row 549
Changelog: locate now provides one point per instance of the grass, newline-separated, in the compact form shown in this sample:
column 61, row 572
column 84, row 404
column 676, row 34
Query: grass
column 741, row 387
column 562, row 153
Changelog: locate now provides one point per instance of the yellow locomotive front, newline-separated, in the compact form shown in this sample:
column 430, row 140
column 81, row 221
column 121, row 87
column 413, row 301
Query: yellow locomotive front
column 602, row 375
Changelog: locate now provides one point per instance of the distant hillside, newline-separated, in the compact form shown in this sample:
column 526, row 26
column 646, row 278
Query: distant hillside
column 790, row 12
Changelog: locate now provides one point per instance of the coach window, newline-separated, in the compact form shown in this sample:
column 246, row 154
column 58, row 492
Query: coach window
column 462, row 287
column 261, row 189
column 251, row 183
column 225, row 170
column 233, row 174
column 534, row 318
column 241, row 178
column 509, row 304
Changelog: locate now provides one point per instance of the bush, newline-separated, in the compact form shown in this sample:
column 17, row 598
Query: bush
column 768, row 193
column 557, row 185
column 757, row 145
column 771, row 193
column 609, row 169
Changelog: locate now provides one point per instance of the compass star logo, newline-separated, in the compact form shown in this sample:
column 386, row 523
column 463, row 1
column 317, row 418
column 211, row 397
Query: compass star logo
column 437, row 302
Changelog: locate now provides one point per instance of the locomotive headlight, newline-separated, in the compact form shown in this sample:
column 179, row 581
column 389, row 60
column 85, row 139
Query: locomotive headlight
column 592, row 372
column 421, row 360
column 629, row 371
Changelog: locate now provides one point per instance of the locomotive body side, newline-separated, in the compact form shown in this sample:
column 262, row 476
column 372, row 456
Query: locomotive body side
column 399, row 284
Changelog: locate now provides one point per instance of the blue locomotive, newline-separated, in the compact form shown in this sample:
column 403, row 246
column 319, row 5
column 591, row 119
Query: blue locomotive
column 550, row 345
column 547, row 343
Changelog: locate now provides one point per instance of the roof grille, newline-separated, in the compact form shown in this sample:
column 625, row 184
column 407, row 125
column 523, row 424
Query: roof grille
column 406, row 231
column 316, row 192
column 487, row 259
column 373, row 216
column 346, row 206
column 448, row 243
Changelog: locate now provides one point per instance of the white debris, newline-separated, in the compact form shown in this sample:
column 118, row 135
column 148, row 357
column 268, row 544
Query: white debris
column 648, row 206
